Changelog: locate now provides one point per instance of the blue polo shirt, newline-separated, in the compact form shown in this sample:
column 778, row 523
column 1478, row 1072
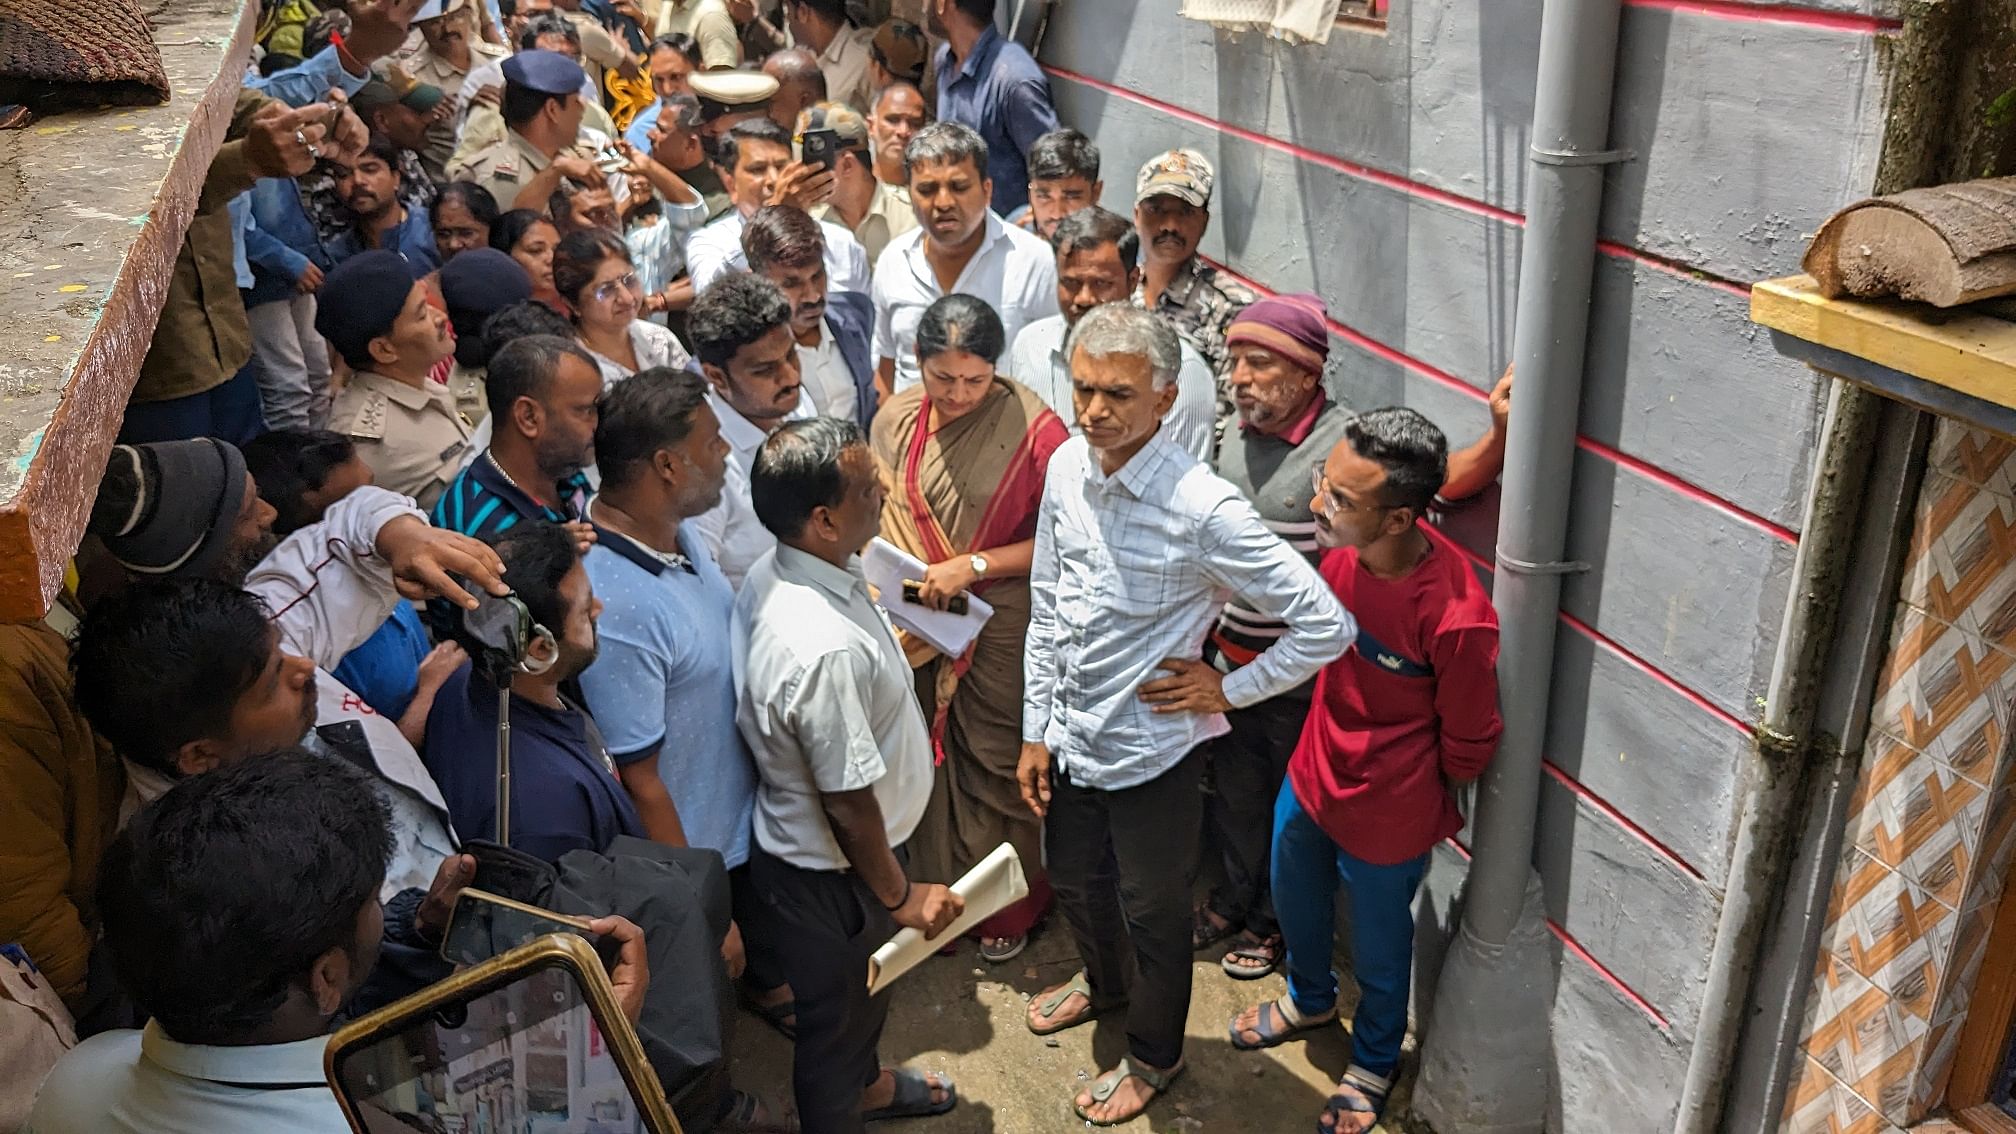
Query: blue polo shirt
column 663, row 683
column 481, row 502
column 1002, row 93
column 564, row 791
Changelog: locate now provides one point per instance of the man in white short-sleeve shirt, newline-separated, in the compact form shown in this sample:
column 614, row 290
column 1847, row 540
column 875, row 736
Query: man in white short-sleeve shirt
column 843, row 760
column 958, row 239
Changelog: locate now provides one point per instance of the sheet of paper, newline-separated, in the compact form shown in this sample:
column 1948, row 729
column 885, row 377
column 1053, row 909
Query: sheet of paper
column 886, row 567
column 989, row 888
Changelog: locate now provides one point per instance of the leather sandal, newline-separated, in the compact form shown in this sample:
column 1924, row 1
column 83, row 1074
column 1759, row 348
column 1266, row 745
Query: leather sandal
column 1368, row 1097
column 1104, row 1086
column 1047, row 1006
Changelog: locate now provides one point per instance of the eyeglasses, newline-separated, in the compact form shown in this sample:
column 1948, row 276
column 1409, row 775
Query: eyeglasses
column 604, row 292
column 1330, row 502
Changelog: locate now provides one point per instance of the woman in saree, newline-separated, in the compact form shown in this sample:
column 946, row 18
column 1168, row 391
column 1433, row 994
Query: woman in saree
column 964, row 453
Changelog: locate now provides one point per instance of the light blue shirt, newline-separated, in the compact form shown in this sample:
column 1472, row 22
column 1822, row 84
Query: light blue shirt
column 639, row 132
column 663, row 683
column 241, row 222
column 308, row 80
column 127, row 1082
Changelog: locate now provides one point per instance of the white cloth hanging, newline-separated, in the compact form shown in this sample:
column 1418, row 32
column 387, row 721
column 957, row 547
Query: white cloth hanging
column 1307, row 21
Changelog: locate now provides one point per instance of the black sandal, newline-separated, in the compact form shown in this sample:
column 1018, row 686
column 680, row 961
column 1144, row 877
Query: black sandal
column 1204, row 932
column 1269, row 949
column 780, row 1016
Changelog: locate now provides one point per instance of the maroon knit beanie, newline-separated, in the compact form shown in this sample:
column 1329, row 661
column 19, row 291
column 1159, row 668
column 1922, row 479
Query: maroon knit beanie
column 1289, row 325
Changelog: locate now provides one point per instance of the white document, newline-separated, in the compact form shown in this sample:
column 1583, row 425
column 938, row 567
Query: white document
column 989, row 888
column 886, row 567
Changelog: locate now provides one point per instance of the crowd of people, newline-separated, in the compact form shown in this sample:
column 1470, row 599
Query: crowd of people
column 656, row 314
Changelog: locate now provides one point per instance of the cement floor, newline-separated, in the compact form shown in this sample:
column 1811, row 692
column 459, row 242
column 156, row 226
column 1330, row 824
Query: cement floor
column 964, row 1017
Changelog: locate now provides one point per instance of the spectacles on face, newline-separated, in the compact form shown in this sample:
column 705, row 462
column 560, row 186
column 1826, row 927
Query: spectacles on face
column 609, row 289
column 1332, row 503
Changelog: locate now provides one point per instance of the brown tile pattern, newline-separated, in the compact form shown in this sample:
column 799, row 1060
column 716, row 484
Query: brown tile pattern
column 1932, row 824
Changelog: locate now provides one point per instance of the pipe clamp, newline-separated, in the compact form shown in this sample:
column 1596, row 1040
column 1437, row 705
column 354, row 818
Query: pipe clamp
column 1522, row 567
column 1573, row 157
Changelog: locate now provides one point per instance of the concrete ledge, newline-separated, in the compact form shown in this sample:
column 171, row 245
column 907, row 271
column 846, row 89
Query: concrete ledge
column 1959, row 363
column 93, row 208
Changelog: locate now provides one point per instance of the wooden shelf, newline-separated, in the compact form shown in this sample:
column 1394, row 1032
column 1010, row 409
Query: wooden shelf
column 1960, row 362
column 93, row 207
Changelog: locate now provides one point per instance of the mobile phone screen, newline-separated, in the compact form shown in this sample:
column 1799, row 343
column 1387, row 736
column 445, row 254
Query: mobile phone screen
column 481, row 929
column 526, row 1056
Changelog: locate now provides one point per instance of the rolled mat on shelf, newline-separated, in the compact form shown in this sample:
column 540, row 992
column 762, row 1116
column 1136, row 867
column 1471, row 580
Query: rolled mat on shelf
column 69, row 54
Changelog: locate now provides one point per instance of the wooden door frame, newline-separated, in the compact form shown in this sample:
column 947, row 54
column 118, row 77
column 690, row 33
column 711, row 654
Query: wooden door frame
column 1984, row 1037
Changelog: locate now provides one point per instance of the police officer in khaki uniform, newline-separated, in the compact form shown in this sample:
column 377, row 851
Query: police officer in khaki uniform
column 451, row 47
column 405, row 425
column 542, row 118
column 728, row 97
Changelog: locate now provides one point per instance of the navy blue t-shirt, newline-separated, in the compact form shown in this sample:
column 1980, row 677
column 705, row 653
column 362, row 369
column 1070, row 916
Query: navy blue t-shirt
column 564, row 791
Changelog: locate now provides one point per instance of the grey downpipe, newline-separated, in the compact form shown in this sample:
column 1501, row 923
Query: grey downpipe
column 1485, row 1044
column 1767, row 825
column 1571, row 126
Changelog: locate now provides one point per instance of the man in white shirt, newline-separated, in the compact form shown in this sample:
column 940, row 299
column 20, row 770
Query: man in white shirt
column 756, row 155
column 844, row 763
column 787, row 247
column 1097, row 257
column 283, row 857
column 1138, row 546
column 959, row 246
column 741, row 332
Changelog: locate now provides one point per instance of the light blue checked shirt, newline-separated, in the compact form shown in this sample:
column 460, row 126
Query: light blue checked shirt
column 1133, row 568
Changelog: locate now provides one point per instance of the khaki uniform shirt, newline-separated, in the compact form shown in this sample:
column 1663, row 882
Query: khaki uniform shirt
column 434, row 69
column 709, row 23
column 597, row 45
column 411, row 436
column 203, row 338
column 487, row 145
column 504, row 164
column 845, row 65
column 889, row 216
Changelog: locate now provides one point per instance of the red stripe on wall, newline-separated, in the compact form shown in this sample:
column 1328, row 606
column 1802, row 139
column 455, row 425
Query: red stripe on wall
column 1392, row 181
column 1583, row 793
column 1575, row 948
column 1636, row 662
column 1855, row 23
column 1618, row 457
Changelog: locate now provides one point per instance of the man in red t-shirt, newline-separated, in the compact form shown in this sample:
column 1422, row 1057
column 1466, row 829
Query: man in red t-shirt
column 1410, row 711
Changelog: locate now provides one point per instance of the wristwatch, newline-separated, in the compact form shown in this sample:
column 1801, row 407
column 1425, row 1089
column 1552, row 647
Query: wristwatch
column 979, row 565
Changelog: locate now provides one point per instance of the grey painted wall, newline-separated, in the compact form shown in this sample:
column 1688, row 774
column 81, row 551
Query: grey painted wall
column 1393, row 193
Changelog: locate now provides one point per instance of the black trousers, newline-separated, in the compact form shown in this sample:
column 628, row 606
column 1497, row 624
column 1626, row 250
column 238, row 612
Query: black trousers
column 828, row 924
column 1121, row 864
column 764, row 970
column 1247, row 767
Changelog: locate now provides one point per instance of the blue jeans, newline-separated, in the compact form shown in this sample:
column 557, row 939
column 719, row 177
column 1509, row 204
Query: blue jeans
column 1307, row 868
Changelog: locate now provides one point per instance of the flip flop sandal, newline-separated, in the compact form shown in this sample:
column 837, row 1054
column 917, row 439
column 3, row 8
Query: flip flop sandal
column 1047, row 1006
column 1292, row 1024
column 1204, row 932
column 1001, row 950
column 1372, row 1091
column 1104, row 1086
column 1268, row 949
column 745, row 1116
column 778, row 1016
column 913, row 1097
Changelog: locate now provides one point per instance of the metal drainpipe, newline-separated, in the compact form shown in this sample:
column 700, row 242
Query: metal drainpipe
column 1489, row 1029
column 1768, row 823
